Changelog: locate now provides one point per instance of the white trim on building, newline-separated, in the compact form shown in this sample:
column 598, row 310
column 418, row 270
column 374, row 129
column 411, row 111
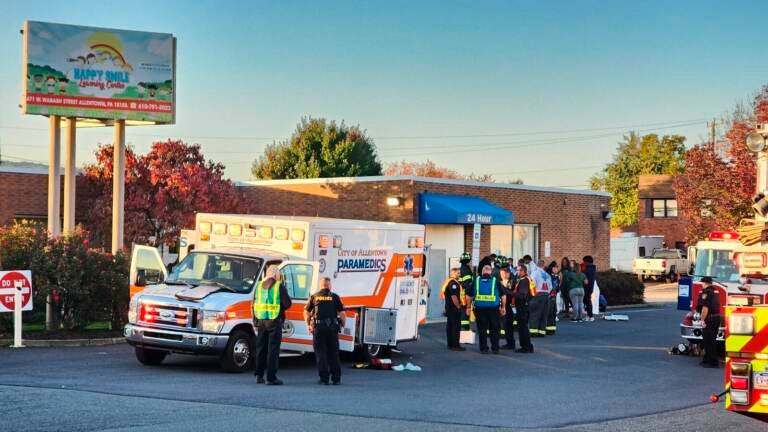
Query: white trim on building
column 333, row 180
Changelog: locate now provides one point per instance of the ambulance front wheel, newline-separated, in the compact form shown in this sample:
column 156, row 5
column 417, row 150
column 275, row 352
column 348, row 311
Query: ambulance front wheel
column 149, row 357
column 238, row 356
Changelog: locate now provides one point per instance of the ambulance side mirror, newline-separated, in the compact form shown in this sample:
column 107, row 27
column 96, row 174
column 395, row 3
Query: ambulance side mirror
column 141, row 278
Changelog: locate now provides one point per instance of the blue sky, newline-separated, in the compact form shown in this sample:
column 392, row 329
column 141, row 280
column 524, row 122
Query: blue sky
column 537, row 90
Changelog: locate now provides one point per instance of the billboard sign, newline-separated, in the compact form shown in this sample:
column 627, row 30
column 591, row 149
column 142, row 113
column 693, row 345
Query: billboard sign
column 98, row 73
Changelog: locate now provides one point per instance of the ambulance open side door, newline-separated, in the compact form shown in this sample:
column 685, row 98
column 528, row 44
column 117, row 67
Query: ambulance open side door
column 302, row 279
column 147, row 268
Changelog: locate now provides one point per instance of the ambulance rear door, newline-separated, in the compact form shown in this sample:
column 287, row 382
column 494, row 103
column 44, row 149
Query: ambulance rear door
column 407, row 285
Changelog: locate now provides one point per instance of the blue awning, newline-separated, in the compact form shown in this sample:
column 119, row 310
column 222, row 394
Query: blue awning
column 458, row 209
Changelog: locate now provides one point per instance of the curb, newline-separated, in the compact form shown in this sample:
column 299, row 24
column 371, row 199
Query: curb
column 60, row 343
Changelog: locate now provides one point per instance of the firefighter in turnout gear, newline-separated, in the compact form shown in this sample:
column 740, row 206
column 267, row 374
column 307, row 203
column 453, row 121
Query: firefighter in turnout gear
column 451, row 292
column 489, row 305
column 270, row 301
column 324, row 315
column 524, row 291
column 465, row 279
column 709, row 307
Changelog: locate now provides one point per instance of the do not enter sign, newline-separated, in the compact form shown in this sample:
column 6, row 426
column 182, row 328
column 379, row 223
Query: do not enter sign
column 10, row 282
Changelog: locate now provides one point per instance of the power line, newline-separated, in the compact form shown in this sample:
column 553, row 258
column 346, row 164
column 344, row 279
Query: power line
column 502, row 146
column 403, row 137
column 547, row 170
column 547, row 132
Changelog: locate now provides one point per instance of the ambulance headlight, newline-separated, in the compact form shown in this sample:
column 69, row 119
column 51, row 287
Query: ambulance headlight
column 132, row 310
column 741, row 324
column 212, row 321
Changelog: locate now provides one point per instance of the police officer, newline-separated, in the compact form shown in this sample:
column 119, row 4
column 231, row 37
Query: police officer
column 508, row 319
column 490, row 305
column 324, row 315
column 270, row 301
column 453, row 309
column 709, row 307
column 523, row 293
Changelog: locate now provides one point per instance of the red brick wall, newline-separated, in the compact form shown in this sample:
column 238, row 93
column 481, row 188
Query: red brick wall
column 672, row 228
column 572, row 223
column 23, row 195
column 365, row 201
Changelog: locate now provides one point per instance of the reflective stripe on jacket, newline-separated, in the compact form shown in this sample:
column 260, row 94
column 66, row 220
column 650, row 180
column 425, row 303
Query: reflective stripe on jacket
column 486, row 294
column 266, row 302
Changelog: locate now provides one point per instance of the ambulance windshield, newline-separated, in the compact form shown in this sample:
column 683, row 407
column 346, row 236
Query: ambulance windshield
column 717, row 264
column 203, row 268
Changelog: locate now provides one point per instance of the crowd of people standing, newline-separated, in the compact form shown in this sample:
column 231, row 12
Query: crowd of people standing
column 505, row 297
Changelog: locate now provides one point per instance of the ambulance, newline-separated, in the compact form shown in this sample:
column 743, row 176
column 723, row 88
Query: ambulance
column 204, row 304
column 746, row 342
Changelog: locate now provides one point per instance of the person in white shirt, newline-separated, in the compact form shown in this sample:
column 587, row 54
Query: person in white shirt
column 540, row 303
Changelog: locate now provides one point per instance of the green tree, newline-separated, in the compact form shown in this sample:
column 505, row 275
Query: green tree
column 319, row 148
column 637, row 155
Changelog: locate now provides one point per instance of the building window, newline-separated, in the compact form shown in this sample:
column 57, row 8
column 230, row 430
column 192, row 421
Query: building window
column 706, row 208
column 501, row 240
column 661, row 208
column 525, row 241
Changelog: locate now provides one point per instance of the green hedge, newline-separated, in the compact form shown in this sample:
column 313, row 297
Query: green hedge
column 620, row 288
column 87, row 285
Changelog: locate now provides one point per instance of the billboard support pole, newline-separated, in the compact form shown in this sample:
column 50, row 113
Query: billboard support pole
column 69, row 176
column 54, row 198
column 118, row 186
column 54, row 177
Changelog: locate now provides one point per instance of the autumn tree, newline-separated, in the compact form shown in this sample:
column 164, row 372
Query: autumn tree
column 163, row 191
column 319, row 148
column 637, row 155
column 717, row 187
column 430, row 169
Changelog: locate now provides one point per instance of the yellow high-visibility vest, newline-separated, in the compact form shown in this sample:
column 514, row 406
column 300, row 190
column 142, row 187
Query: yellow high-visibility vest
column 266, row 302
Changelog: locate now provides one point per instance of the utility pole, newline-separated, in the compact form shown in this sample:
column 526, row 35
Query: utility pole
column 712, row 132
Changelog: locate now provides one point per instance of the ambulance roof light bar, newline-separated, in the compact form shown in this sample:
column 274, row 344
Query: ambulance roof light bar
column 723, row 235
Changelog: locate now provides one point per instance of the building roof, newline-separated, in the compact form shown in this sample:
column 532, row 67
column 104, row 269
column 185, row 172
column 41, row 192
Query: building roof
column 656, row 186
column 23, row 167
column 30, row 168
column 332, row 180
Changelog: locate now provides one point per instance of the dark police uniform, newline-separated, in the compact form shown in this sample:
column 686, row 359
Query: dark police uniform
column 453, row 314
column 523, row 292
column 708, row 297
column 508, row 320
column 324, row 307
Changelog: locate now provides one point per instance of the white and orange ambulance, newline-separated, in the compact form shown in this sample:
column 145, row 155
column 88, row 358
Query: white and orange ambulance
column 203, row 306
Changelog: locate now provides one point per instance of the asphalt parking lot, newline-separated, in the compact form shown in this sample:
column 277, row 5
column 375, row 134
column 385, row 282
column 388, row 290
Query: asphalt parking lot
column 590, row 376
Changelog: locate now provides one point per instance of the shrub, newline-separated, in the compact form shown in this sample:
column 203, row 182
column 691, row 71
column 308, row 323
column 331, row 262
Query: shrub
column 86, row 285
column 620, row 288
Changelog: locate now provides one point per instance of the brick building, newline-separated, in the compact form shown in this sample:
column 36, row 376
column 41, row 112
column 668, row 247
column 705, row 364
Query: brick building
column 657, row 210
column 23, row 192
column 546, row 223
